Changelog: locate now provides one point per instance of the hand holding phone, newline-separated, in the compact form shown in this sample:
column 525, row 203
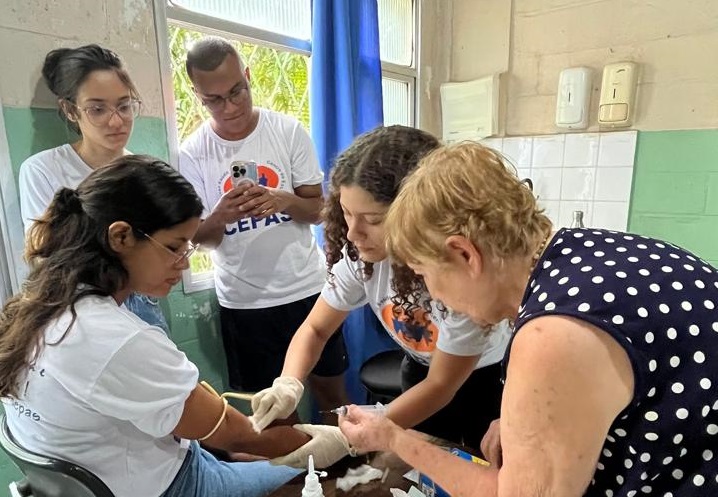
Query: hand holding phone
column 243, row 170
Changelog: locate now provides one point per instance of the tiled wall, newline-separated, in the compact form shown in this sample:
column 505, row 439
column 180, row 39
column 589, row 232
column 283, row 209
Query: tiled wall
column 591, row 172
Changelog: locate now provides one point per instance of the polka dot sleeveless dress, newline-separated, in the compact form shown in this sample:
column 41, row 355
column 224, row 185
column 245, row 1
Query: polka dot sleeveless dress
column 658, row 302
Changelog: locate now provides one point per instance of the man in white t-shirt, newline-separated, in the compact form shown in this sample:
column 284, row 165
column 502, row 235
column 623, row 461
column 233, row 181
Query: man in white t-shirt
column 268, row 267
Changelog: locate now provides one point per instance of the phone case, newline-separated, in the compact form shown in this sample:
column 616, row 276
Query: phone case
column 243, row 170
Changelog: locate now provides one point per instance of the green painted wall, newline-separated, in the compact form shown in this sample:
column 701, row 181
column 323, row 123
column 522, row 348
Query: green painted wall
column 675, row 189
column 194, row 318
column 31, row 130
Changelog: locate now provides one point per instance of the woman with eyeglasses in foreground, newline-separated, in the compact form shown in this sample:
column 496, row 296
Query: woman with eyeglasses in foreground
column 99, row 102
column 612, row 370
column 84, row 380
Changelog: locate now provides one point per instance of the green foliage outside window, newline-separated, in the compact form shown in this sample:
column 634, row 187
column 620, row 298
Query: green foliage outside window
column 278, row 79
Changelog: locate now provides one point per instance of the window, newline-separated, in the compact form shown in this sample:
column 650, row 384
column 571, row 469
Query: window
column 397, row 45
column 273, row 37
column 291, row 18
column 279, row 80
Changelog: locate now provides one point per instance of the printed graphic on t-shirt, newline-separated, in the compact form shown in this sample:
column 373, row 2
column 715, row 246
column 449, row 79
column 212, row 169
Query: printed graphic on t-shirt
column 266, row 176
column 417, row 334
column 269, row 175
column 18, row 406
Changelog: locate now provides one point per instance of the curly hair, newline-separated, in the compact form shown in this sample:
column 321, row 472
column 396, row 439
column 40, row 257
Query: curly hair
column 466, row 190
column 377, row 161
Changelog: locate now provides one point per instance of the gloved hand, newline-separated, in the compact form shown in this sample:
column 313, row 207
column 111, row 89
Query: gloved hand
column 327, row 445
column 275, row 402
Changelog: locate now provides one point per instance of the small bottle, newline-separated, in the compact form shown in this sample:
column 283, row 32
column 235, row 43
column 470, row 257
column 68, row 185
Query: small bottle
column 577, row 220
column 312, row 487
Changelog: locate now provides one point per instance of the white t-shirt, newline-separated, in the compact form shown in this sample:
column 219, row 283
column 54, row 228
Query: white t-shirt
column 273, row 261
column 107, row 398
column 43, row 174
column 451, row 332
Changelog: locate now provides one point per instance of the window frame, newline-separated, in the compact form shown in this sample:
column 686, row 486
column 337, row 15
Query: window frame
column 412, row 72
column 193, row 20
column 166, row 13
column 405, row 75
column 13, row 269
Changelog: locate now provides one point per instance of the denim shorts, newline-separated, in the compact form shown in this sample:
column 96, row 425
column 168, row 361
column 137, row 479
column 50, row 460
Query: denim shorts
column 203, row 475
column 148, row 310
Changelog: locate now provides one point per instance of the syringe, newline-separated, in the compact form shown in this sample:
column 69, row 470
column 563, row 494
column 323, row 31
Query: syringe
column 377, row 408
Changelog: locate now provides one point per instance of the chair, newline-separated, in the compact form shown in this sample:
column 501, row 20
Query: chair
column 49, row 477
column 381, row 376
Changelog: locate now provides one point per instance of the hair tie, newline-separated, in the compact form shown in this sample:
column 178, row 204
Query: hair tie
column 69, row 201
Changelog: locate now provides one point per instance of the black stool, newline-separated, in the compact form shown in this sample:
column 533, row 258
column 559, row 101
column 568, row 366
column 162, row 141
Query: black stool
column 381, row 376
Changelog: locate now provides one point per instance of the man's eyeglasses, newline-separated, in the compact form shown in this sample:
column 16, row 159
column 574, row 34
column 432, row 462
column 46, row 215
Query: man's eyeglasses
column 218, row 103
column 100, row 114
column 180, row 255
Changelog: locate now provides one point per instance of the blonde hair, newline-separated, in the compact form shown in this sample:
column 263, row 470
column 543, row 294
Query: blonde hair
column 464, row 189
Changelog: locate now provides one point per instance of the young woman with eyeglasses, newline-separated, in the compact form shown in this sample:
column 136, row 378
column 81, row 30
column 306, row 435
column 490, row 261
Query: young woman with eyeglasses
column 99, row 102
column 84, row 380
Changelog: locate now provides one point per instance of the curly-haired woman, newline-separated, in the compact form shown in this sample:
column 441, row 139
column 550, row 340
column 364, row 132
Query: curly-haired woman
column 451, row 365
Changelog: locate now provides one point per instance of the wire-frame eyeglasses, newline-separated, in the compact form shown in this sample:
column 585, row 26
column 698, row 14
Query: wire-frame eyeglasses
column 100, row 114
column 180, row 255
column 218, row 103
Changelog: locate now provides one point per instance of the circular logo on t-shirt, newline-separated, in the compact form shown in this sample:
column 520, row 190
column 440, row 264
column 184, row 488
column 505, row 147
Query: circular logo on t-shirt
column 417, row 334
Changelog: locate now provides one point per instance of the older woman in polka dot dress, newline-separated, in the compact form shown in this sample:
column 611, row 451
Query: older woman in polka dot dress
column 612, row 373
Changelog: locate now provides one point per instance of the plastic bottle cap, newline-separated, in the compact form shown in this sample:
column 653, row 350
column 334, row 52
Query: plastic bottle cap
column 312, row 487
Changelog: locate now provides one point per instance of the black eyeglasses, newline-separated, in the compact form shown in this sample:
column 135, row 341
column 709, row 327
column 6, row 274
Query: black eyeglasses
column 218, row 103
column 100, row 114
column 180, row 255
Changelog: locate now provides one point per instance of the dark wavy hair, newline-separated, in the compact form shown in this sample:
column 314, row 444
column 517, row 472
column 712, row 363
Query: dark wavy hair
column 69, row 254
column 65, row 69
column 377, row 161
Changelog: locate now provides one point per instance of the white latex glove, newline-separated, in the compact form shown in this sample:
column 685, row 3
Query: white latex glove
column 327, row 445
column 276, row 402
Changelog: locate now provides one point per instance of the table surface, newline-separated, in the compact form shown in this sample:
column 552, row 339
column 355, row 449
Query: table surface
column 380, row 460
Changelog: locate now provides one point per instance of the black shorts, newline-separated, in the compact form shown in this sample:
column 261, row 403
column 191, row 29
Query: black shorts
column 466, row 418
column 256, row 342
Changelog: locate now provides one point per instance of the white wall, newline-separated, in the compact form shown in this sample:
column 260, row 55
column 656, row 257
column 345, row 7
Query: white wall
column 674, row 42
column 30, row 29
column 434, row 60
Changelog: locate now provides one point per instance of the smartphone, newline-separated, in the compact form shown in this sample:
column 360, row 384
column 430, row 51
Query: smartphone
column 243, row 170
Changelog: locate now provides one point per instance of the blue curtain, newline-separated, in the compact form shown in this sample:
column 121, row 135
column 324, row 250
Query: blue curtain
column 345, row 101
